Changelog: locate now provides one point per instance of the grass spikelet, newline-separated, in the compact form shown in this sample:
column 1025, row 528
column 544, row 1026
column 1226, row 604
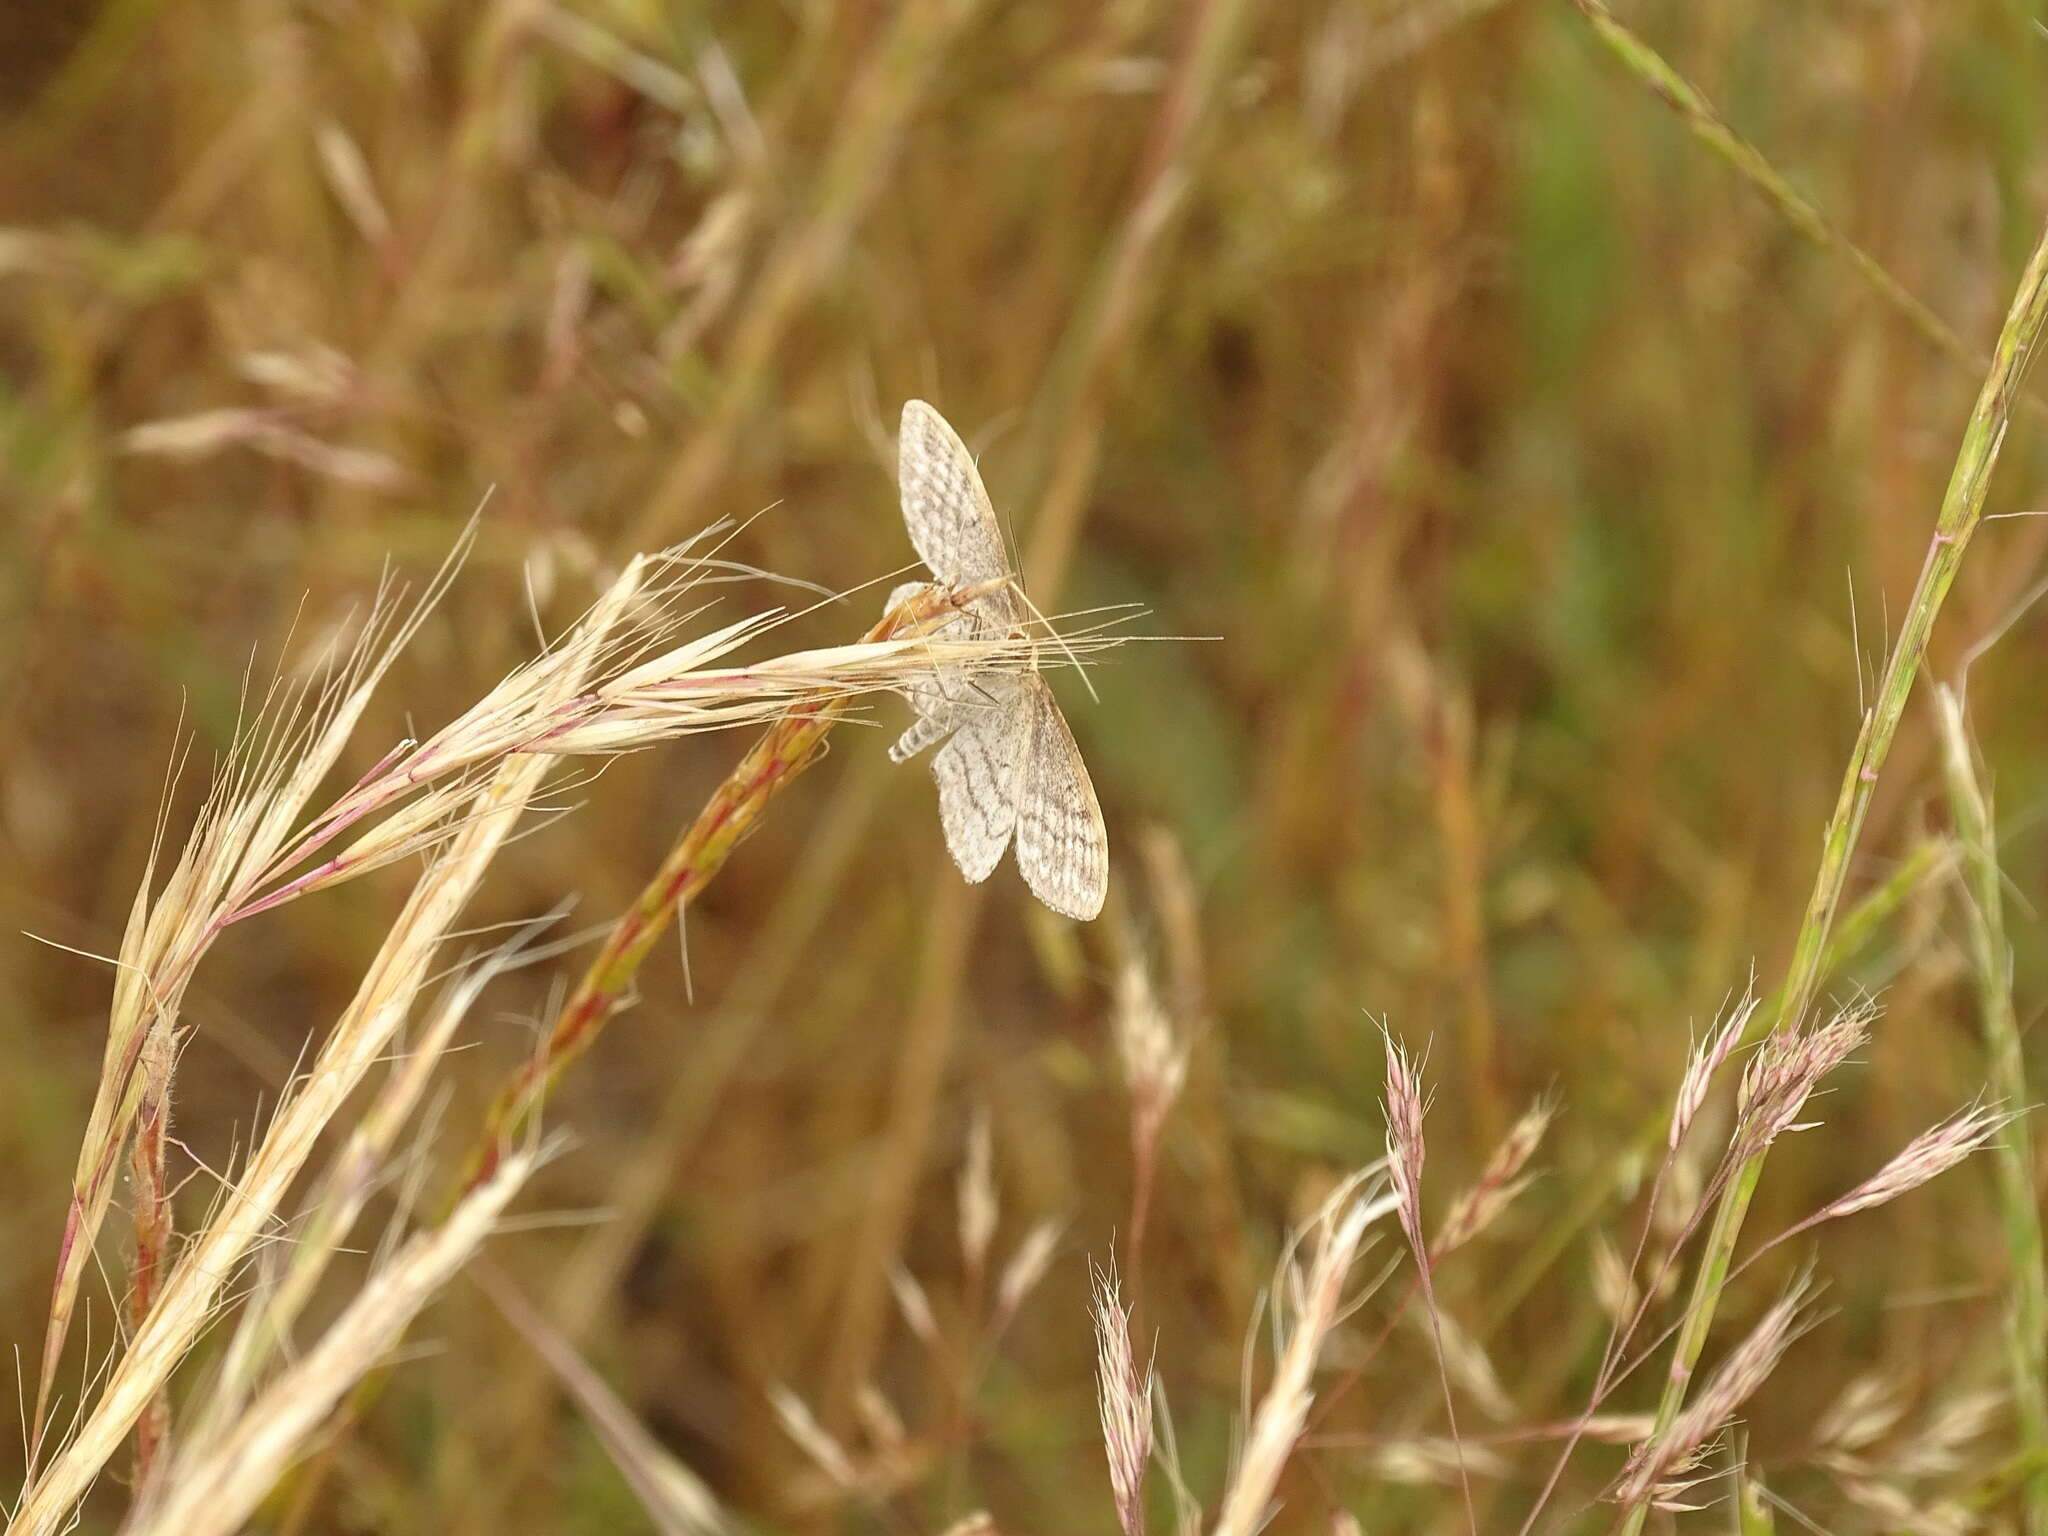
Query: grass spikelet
column 1155, row 1066
column 1927, row 1156
column 1499, row 1182
column 1613, row 1285
column 1466, row 1362
column 915, row 1306
column 1937, row 1446
column 1895, row 1510
column 1784, row 1073
column 1867, row 1410
column 1155, row 1063
column 1404, row 1109
column 349, row 178
column 1027, row 1266
column 1405, row 1148
column 1706, row 1061
column 812, row 1438
column 1124, row 1400
column 879, row 1420
column 1433, row 1462
column 1676, row 1447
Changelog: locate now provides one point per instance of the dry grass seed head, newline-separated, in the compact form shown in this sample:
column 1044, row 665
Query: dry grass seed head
column 1465, row 1361
column 811, row 1437
column 1433, row 1461
column 915, row 1306
column 879, row 1420
column 1498, row 1183
column 1936, row 1449
column 1656, row 1462
column 1124, row 1399
column 1784, row 1073
column 1315, row 1289
column 1896, row 1510
column 1026, row 1268
column 1706, row 1061
column 1614, row 1288
column 1404, row 1108
column 1155, row 1063
column 1932, row 1153
column 1864, row 1412
column 187, row 1304
column 221, row 1481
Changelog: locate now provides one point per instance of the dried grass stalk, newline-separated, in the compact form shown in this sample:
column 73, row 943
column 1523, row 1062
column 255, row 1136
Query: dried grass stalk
column 1277, row 1421
column 221, row 1487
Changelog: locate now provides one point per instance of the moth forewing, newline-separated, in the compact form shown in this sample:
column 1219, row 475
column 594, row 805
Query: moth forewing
column 946, row 508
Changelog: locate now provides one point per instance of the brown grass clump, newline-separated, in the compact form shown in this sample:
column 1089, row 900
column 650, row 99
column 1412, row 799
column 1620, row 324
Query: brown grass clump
column 454, row 798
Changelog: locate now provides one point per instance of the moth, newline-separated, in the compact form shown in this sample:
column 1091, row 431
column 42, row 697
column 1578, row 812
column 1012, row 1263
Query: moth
column 1007, row 767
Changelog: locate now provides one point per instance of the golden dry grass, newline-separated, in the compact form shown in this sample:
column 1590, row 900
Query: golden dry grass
column 1557, row 486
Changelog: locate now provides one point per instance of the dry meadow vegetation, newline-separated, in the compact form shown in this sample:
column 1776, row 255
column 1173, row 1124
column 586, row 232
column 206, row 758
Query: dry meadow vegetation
column 1548, row 504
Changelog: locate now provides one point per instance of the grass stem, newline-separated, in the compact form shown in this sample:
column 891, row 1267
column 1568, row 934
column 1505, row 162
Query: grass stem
column 1962, row 510
column 2026, row 1311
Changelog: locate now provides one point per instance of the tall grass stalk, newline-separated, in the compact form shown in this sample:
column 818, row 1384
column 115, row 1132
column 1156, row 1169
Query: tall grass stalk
column 1314, row 1290
column 2026, row 1314
column 191, row 1295
column 1962, row 509
column 230, row 1473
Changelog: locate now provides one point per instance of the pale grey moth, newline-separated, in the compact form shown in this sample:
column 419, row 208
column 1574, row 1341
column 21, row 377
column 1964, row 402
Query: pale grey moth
column 1007, row 767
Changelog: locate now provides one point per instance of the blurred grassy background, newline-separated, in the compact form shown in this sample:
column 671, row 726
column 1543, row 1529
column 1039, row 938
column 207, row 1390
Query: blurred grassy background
column 1527, row 465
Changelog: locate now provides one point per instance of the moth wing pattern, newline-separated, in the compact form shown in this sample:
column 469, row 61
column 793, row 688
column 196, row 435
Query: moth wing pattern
column 952, row 523
column 981, row 773
column 1008, row 770
column 1062, row 845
